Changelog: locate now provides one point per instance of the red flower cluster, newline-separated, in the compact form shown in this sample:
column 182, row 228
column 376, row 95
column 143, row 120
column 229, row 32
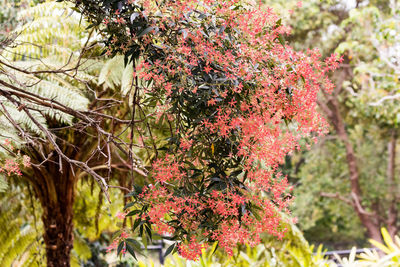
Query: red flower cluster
column 192, row 250
column 237, row 100
column 12, row 166
column 117, row 241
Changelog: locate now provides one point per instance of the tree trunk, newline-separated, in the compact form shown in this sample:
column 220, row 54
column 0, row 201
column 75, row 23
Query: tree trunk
column 369, row 220
column 331, row 107
column 56, row 190
column 58, row 235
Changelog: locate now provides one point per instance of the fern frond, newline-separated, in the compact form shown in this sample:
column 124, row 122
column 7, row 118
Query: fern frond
column 22, row 242
column 115, row 75
column 45, row 10
column 23, row 119
column 7, row 131
column 53, row 27
column 19, row 242
column 126, row 80
column 111, row 73
column 3, row 184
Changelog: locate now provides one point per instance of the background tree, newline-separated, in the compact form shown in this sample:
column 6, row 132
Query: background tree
column 357, row 150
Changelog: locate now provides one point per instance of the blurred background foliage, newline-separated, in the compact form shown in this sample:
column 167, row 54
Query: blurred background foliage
column 367, row 35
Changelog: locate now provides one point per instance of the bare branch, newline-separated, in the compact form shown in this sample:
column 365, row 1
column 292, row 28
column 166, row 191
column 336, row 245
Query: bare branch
column 337, row 196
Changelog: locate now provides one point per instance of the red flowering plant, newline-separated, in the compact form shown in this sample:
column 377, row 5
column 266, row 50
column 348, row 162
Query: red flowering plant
column 12, row 166
column 236, row 100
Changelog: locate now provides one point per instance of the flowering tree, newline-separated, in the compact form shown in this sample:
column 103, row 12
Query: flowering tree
column 216, row 100
column 235, row 99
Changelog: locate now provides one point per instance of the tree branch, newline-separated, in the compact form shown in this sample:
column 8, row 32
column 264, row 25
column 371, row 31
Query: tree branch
column 337, row 196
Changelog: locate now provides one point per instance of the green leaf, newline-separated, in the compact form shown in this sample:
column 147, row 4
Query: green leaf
column 281, row 39
column 141, row 228
column 148, row 230
column 279, row 23
column 169, row 250
column 134, row 243
column 144, row 240
column 128, row 205
column 133, row 212
column 131, row 194
column 116, row 234
column 137, row 222
column 134, row 16
column 90, row 26
column 145, row 31
column 120, row 247
column 131, row 251
column 214, row 248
